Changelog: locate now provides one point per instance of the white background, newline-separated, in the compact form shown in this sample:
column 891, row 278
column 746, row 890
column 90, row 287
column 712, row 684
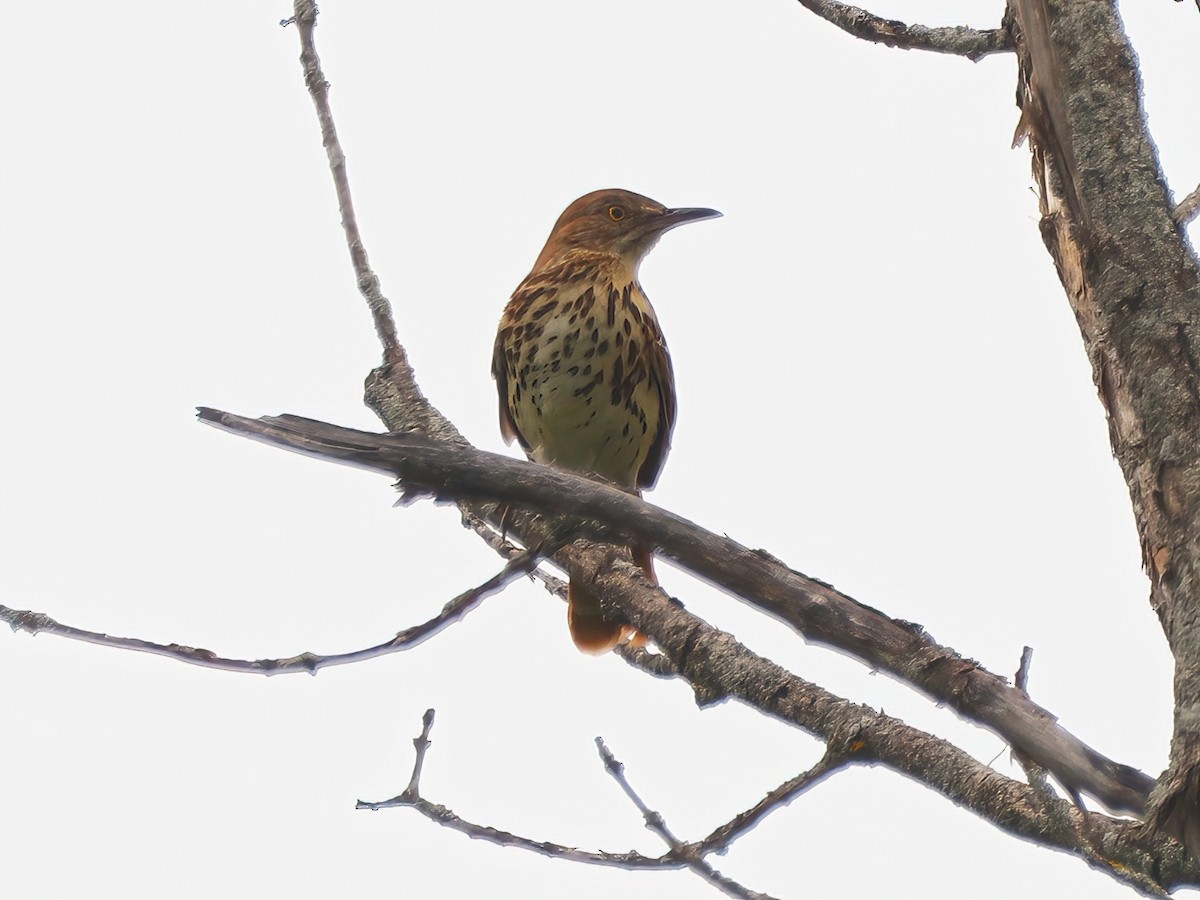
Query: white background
column 880, row 381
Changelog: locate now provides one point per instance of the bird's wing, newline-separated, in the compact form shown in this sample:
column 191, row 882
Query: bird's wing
column 663, row 376
column 535, row 286
column 508, row 428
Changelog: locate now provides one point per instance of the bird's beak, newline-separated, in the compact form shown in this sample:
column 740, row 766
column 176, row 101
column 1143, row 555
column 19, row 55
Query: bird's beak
column 673, row 217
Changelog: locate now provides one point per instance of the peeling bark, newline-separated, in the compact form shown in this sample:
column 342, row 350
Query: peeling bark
column 1134, row 286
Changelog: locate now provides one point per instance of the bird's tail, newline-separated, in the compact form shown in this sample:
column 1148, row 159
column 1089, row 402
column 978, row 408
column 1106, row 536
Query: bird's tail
column 591, row 632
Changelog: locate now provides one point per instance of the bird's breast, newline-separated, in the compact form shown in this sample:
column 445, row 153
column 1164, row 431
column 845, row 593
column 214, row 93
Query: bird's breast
column 581, row 389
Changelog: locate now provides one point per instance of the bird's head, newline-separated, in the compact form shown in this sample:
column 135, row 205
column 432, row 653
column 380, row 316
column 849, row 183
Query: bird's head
column 618, row 223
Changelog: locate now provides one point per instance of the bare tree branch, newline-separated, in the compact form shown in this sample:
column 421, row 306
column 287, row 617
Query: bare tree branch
column 723, row 836
column 391, row 390
column 1133, row 283
column 421, row 746
column 520, row 564
column 1038, row 777
column 1021, row 682
column 817, row 611
column 718, row 666
column 957, row 40
column 1121, row 849
column 656, row 664
column 1187, row 209
column 678, row 849
column 393, row 394
column 305, row 20
column 412, row 799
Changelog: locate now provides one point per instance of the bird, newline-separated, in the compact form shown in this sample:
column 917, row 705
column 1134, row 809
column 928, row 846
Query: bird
column 584, row 378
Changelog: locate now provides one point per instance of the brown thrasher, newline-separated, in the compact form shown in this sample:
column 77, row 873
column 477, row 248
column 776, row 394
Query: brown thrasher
column 581, row 366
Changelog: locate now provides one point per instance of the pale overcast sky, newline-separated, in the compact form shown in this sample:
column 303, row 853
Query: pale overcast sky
column 879, row 379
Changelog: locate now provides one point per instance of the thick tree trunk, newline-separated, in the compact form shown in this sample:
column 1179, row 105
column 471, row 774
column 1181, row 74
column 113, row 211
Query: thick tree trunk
column 1134, row 285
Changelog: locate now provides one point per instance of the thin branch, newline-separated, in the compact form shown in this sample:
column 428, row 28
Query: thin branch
column 394, row 382
column 637, row 656
column 522, row 563
column 421, row 745
column 958, row 40
column 1057, row 811
column 721, row 837
column 305, row 20
column 654, row 820
column 656, row 664
column 396, row 368
column 1188, row 208
column 718, row 666
column 816, row 610
column 411, row 798
column 1036, row 775
column 394, row 395
column 678, row 849
column 490, row 536
column 1123, row 850
column 1022, row 676
column 435, row 812
column 680, row 855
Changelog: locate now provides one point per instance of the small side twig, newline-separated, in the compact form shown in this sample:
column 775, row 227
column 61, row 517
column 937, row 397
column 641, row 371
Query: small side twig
column 520, row 564
column 882, row 745
column 688, row 853
column 723, row 836
column 657, row 664
column 1034, row 774
column 1022, row 677
column 1038, row 776
column 507, row 549
column 411, row 798
column 1187, row 208
column 305, row 20
column 678, row 856
column 959, row 40
column 421, row 745
column 654, row 820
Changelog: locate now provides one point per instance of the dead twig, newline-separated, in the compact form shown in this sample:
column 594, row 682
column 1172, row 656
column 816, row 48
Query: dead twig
column 411, row 798
column 721, row 837
column 816, row 610
column 678, row 849
column 1187, row 208
column 520, row 564
column 679, row 856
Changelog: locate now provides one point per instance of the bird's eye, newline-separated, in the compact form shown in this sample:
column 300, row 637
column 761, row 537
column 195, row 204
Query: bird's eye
column 616, row 213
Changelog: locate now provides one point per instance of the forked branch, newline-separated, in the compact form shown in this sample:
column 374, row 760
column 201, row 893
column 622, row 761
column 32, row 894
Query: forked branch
column 411, row 798
column 817, row 611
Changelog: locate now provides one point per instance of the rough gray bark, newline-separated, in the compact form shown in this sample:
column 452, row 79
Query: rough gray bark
column 1134, row 285
column 957, row 40
column 718, row 667
column 478, row 480
column 1092, row 137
